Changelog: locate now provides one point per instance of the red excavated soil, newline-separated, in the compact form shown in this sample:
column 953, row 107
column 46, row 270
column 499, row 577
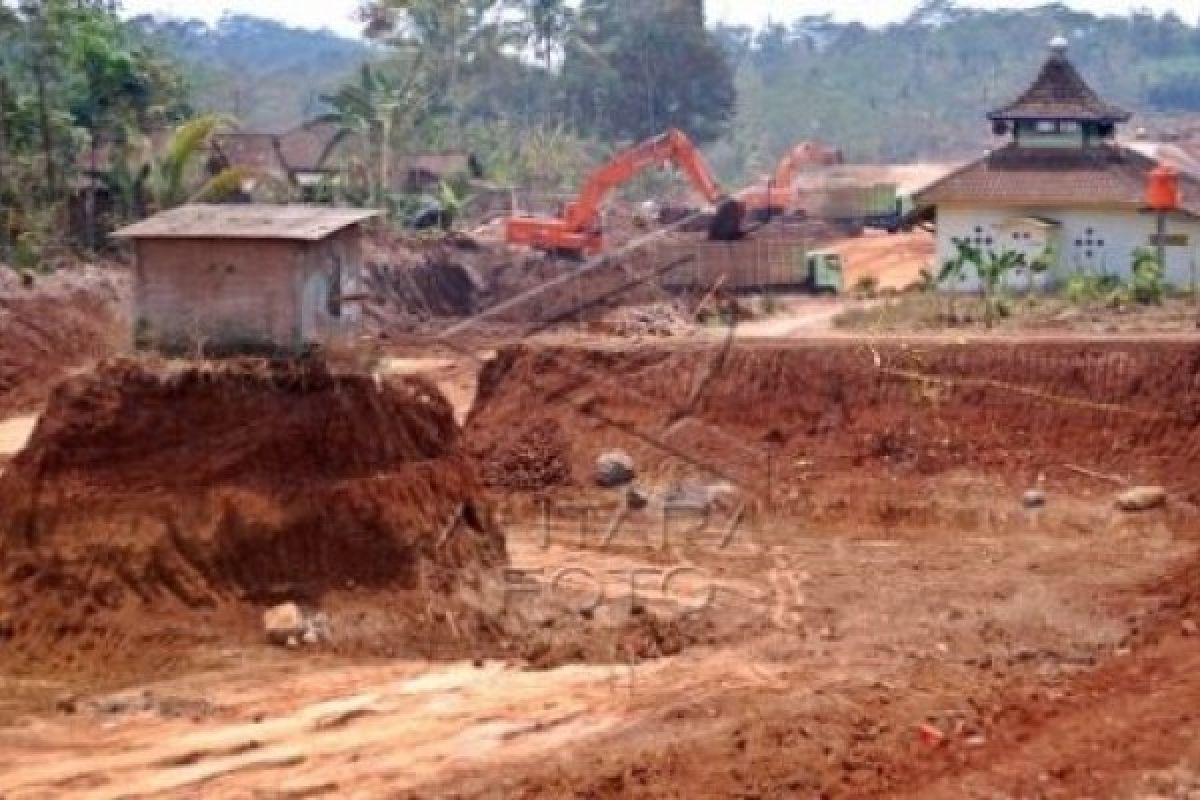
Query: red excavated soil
column 773, row 420
column 160, row 498
column 56, row 324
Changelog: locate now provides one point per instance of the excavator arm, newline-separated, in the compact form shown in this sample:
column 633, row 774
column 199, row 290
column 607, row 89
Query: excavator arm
column 577, row 231
column 779, row 196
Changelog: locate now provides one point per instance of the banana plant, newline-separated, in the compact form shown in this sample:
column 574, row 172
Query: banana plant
column 374, row 111
column 993, row 271
column 1149, row 277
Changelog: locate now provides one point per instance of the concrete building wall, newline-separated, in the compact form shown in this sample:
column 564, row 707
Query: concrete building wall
column 1095, row 241
column 328, row 272
column 242, row 295
column 209, row 291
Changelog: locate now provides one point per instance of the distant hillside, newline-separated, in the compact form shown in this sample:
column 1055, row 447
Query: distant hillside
column 266, row 74
column 919, row 89
column 912, row 90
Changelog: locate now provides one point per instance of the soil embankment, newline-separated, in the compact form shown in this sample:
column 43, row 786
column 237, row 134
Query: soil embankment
column 768, row 417
column 56, row 324
column 156, row 498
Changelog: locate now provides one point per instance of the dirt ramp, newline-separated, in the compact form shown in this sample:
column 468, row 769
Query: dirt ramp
column 151, row 492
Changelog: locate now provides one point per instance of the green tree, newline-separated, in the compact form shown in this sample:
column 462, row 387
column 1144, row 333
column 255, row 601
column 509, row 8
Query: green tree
column 374, row 112
column 72, row 77
column 1149, row 277
column 637, row 70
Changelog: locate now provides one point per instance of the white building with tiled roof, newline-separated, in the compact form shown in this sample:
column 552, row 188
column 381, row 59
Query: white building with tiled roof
column 1062, row 184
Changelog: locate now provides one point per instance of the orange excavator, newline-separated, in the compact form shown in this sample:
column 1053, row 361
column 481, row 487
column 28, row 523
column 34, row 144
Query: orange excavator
column 778, row 197
column 577, row 231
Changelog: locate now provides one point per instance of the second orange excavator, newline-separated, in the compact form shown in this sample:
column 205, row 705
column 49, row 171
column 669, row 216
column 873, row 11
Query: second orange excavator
column 577, row 232
column 778, row 197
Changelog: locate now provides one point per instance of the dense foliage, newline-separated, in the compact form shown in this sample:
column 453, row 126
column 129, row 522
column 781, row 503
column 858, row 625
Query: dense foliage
column 920, row 88
column 73, row 79
column 539, row 89
column 265, row 74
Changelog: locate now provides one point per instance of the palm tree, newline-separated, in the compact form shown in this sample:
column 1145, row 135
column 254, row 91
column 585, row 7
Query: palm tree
column 142, row 180
column 173, row 170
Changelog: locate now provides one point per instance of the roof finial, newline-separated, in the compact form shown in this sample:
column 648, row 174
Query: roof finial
column 1059, row 45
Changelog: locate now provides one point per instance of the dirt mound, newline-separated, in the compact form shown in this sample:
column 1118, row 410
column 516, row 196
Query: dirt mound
column 658, row 319
column 886, row 261
column 409, row 287
column 532, row 458
column 155, row 497
column 760, row 415
column 51, row 324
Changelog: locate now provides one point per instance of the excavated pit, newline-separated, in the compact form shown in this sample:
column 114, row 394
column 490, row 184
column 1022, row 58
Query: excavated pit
column 781, row 422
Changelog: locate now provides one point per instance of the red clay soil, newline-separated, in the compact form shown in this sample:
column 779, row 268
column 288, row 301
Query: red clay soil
column 767, row 416
column 59, row 323
column 154, row 496
column 1097, row 737
column 1126, row 729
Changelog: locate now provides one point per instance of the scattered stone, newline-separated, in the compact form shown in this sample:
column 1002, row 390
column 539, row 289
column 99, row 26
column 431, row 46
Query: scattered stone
column 1190, row 628
column 292, row 643
column 1034, row 499
column 615, row 469
column 67, row 704
column 636, row 499
column 310, row 637
column 931, row 736
column 1142, row 498
column 284, row 623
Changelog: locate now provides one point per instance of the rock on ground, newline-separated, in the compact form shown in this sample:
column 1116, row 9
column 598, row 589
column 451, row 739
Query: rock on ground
column 1034, row 499
column 615, row 469
column 1142, row 498
column 284, row 623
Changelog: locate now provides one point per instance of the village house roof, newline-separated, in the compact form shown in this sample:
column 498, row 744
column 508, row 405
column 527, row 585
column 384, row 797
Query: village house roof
column 417, row 171
column 1091, row 174
column 254, row 150
column 288, row 223
column 1099, row 176
column 304, row 149
column 1060, row 92
column 307, row 148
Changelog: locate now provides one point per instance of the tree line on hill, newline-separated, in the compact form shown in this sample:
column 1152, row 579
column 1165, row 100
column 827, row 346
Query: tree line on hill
column 540, row 90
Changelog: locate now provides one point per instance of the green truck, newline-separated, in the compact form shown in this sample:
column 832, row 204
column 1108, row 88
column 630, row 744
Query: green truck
column 822, row 272
column 880, row 206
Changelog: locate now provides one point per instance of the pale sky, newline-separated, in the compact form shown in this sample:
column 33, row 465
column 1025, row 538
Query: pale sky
column 338, row 14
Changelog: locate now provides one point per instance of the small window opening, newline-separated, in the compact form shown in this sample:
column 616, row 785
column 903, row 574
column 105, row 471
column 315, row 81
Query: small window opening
column 334, row 300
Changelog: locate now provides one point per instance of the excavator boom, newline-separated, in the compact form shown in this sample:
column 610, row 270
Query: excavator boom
column 577, row 231
column 779, row 195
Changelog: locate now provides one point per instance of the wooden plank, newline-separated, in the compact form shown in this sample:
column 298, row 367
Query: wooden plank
column 1170, row 240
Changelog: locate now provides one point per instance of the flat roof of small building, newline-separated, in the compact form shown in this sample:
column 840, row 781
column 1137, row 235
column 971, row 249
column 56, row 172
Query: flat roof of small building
column 247, row 221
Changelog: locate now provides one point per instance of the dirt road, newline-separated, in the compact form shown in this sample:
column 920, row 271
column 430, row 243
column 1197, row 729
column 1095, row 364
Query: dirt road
column 822, row 688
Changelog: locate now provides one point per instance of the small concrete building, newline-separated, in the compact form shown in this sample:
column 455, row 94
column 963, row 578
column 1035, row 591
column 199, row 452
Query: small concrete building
column 240, row 279
column 1063, row 189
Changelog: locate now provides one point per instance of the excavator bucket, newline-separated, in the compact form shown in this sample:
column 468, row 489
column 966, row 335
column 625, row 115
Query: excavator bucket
column 728, row 224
